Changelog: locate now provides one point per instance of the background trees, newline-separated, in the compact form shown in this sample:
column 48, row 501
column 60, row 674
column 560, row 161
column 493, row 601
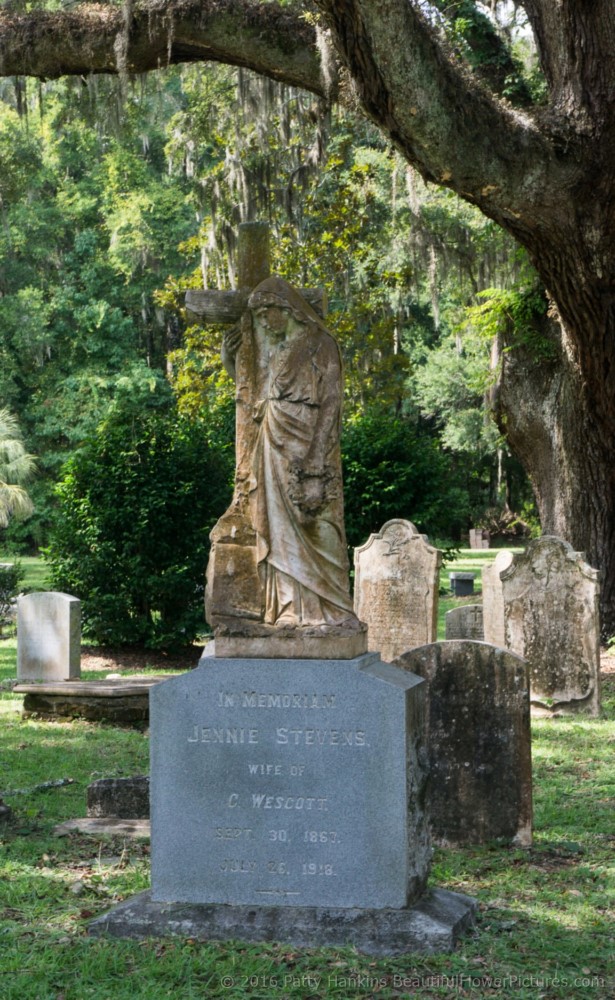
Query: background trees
column 135, row 191
column 137, row 503
column 16, row 468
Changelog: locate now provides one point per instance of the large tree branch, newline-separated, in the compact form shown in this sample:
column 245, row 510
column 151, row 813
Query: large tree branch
column 576, row 47
column 453, row 130
column 92, row 38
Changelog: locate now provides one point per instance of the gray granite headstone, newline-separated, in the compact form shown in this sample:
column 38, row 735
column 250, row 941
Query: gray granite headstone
column 465, row 622
column 289, row 783
column 478, row 742
column 48, row 637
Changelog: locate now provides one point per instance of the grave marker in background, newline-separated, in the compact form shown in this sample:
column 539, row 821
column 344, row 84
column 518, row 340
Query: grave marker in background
column 465, row 622
column 493, row 602
column 478, row 742
column 48, row 637
column 396, row 589
column 551, row 618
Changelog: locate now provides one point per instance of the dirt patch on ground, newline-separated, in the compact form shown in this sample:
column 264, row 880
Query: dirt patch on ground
column 109, row 659
column 607, row 663
column 117, row 659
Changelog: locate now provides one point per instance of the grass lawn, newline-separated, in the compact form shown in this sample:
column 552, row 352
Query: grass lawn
column 467, row 561
column 35, row 570
column 544, row 928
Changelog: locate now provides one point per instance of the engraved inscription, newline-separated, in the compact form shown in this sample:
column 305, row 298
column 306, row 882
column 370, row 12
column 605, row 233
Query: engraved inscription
column 269, row 699
column 320, row 737
column 321, row 837
column 262, row 801
column 209, row 734
column 238, row 866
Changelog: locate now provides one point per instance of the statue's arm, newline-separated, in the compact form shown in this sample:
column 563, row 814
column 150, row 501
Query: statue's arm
column 230, row 345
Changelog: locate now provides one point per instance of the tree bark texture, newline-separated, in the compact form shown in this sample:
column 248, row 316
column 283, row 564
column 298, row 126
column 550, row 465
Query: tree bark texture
column 538, row 403
column 546, row 174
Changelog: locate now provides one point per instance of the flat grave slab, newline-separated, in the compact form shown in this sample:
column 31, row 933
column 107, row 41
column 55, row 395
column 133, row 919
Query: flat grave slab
column 124, row 700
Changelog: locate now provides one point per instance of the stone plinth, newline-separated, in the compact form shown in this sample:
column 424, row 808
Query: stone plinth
column 396, row 589
column 462, row 584
column 48, row 637
column 478, row 742
column 289, row 782
column 551, row 618
column 430, row 926
column 272, row 642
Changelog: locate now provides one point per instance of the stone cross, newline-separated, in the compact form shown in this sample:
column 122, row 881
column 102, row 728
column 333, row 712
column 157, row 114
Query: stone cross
column 230, row 307
column 233, row 585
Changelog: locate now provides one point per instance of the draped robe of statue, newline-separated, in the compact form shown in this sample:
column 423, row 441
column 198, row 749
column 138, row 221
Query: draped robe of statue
column 295, row 493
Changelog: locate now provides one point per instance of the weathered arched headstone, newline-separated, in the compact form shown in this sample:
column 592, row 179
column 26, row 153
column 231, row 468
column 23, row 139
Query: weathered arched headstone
column 465, row 622
column 551, row 618
column 477, row 741
column 396, row 588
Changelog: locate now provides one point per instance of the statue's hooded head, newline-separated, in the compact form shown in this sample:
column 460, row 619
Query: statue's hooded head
column 277, row 292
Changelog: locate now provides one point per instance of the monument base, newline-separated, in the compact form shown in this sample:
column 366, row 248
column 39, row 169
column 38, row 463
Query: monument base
column 309, row 647
column 433, row 925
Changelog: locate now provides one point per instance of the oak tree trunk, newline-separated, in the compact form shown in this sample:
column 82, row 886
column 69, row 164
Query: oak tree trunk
column 541, row 406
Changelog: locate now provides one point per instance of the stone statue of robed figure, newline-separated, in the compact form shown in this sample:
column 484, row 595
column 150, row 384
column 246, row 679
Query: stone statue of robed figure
column 279, row 563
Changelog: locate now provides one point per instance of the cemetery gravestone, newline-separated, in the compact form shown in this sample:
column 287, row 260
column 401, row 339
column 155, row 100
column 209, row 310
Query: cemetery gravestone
column 396, row 588
column 124, row 798
column 479, row 538
column 462, row 584
column 48, row 637
column 478, row 742
column 278, row 558
column 551, row 618
column 465, row 622
column 493, row 601
column 297, row 783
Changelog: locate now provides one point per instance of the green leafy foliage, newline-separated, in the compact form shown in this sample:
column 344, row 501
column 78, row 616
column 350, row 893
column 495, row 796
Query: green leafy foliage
column 11, row 577
column 517, row 312
column 394, row 468
column 117, row 196
column 16, row 468
column 130, row 537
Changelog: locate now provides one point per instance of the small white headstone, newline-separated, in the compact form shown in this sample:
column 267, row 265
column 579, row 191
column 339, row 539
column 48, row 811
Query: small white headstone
column 48, row 637
column 396, row 589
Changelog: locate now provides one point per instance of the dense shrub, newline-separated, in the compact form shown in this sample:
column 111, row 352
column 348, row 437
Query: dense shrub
column 394, row 468
column 130, row 537
column 11, row 576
